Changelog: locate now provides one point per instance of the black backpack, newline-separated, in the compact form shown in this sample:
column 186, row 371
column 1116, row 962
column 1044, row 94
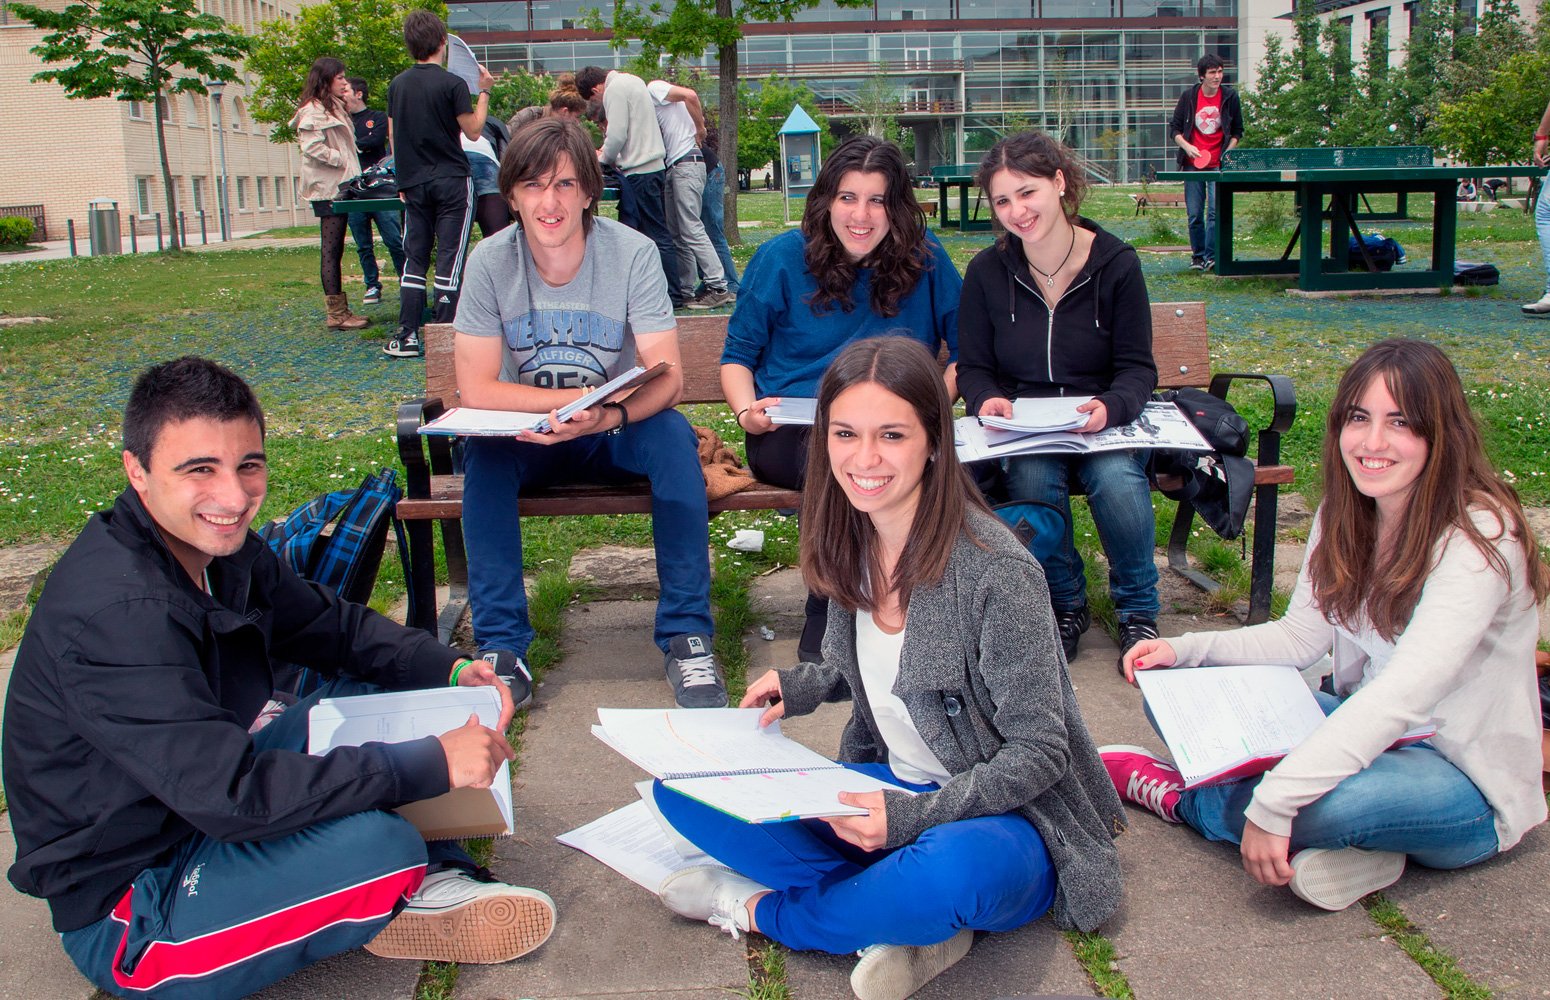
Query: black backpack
column 1219, row 484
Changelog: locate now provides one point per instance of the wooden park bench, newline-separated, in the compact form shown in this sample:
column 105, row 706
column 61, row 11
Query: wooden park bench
column 1157, row 199
column 435, row 486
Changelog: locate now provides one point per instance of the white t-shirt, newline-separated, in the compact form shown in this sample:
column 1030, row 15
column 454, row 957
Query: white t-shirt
column 481, row 146
column 877, row 653
column 678, row 134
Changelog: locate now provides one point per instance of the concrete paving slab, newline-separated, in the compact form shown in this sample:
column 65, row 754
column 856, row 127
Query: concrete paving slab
column 562, row 762
column 353, row 975
column 612, row 936
column 1494, row 918
column 611, row 640
column 1034, row 959
column 33, row 966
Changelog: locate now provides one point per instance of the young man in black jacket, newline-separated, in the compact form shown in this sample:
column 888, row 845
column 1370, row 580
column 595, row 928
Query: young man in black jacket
column 1207, row 122
column 371, row 144
column 164, row 804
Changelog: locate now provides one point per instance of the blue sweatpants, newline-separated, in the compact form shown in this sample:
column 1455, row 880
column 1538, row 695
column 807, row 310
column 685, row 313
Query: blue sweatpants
column 662, row 448
column 221, row 921
column 991, row 873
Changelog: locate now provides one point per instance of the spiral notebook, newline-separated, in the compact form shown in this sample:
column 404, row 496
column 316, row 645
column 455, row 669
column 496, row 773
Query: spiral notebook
column 722, row 757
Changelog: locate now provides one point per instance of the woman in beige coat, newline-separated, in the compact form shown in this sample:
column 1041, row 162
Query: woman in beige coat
column 328, row 159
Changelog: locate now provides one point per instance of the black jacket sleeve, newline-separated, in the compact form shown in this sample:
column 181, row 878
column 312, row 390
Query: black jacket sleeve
column 1232, row 110
column 1180, row 123
column 1135, row 372
column 976, row 333
column 374, row 138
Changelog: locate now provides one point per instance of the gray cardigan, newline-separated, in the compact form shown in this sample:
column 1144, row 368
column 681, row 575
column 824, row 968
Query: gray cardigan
column 985, row 683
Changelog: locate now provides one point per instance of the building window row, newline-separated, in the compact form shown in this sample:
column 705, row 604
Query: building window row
column 147, row 205
column 235, row 112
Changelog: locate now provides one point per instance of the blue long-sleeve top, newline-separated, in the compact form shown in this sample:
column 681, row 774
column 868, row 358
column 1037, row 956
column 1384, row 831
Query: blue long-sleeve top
column 775, row 333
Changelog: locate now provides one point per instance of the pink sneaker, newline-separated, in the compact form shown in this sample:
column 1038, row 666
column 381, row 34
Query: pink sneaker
column 1145, row 779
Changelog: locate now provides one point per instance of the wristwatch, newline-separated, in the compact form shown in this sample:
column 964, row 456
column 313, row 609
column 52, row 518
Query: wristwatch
column 624, row 418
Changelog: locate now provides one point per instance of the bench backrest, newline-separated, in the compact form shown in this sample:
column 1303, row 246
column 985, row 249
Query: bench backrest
column 1178, row 345
column 1314, row 158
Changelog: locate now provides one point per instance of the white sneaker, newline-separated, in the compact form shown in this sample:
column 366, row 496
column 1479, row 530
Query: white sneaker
column 896, row 971
column 457, row 918
column 1538, row 308
column 1334, row 879
column 713, row 893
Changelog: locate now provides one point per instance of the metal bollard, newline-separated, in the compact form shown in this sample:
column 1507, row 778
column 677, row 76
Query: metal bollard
column 182, row 229
column 70, row 224
column 158, row 232
column 134, row 231
column 204, row 237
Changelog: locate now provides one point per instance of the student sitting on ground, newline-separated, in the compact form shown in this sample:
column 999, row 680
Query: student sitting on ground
column 941, row 637
column 863, row 265
column 184, row 855
column 1422, row 577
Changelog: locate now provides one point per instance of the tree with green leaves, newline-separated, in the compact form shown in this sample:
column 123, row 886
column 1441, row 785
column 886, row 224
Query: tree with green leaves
column 514, row 91
column 765, row 112
column 1496, row 123
column 877, row 101
column 1293, row 102
column 685, row 32
column 135, row 50
column 366, row 35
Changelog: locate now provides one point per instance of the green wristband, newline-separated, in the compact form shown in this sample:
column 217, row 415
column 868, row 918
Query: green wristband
column 457, row 670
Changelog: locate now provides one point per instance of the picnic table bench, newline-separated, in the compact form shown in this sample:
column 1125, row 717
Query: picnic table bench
column 1344, row 176
column 434, row 484
column 1157, row 199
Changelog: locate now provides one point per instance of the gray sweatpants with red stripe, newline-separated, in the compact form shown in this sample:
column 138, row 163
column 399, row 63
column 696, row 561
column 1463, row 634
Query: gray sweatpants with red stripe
column 225, row 920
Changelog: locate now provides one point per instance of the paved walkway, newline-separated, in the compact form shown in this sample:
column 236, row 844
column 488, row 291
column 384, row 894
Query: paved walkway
column 1192, row 924
column 60, row 249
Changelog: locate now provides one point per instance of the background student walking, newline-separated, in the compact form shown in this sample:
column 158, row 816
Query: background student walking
column 1207, row 122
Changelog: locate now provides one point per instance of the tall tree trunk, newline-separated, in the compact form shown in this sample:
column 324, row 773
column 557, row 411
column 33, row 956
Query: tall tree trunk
column 166, row 169
column 727, row 57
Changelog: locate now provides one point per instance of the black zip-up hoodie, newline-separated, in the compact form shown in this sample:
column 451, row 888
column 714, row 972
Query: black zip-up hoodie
column 1098, row 342
column 127, row 716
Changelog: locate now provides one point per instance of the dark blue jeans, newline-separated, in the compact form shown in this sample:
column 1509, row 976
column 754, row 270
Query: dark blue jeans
column 1200, row 208
column 392, row 238
column 991, row 873
column 661, row 448
column 1120, row 499
column 713, row 212
column 220, row 921
column 648, row 216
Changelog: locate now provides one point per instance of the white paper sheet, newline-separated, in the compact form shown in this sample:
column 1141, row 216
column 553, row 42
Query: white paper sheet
column 1047, row 413
column 1161, row 425
column 799, row 411
column 689, row 742
column 461, row 420
column 632, row 843
column 461, row 62
column 771, row 798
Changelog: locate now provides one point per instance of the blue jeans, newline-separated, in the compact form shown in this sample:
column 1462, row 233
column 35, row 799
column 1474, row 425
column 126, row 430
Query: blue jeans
column 713, row 212
column 661, row 448
column 1120, row 498
column 1542, row 226
column 392, row 237
column 1412, row 801
column 1200, row 207
column 220, row 921
column 648, row 216
column 991, row 873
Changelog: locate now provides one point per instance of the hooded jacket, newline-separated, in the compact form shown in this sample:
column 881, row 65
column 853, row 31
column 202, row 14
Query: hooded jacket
column 126, row 722
column 1183, row 121
column 328, row 156
column 1096, row 341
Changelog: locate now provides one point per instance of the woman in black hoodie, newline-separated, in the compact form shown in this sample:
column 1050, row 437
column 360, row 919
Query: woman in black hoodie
column 1058, row 307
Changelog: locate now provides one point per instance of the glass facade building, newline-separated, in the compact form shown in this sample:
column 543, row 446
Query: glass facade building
column 1105, row 74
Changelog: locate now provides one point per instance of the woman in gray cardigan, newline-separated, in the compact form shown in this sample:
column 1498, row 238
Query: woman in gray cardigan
column 941, row 636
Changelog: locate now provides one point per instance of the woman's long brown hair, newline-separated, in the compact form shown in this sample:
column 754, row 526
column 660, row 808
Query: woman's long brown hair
column 319, row 86
column 840, row 558
column 1350, row 580
column 898, row 261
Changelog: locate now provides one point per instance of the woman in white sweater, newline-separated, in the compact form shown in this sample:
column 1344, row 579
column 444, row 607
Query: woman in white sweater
column 1422, row 579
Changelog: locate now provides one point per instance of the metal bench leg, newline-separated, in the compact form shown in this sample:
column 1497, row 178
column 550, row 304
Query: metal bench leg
column 1262, row 569
column 422, row 574
column 457, row 578
column 1178, row 550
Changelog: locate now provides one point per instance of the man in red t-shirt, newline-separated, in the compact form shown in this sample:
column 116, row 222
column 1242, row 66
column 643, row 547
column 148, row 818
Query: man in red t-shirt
column 1207, row 122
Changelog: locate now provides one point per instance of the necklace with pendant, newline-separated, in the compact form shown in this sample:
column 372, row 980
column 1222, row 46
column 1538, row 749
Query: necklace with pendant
column 1049, row 279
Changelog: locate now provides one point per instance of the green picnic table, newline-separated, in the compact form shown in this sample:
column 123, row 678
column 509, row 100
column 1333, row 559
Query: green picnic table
column 1342, row 177
column 962, row 177
column 394, row 205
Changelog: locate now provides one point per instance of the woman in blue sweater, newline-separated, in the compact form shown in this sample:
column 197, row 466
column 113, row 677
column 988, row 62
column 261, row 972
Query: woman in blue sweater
column 862, row 265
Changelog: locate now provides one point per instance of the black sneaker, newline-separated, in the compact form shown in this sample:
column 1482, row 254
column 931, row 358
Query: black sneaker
column 373, row 296
column 1197, row 263
column 1209, row 264
column 1071, row 624
column 405, row 344
column 510, row 668
column 1131, row 631
column 692, row 671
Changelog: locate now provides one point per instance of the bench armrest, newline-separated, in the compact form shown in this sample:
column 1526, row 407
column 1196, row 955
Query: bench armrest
column 413, row 446
column 1284, row 400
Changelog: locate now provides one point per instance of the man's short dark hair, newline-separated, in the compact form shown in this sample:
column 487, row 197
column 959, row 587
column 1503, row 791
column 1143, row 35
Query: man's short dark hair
column 536, row 150
column 358, row 84
column 424, row 33
column 1207, row 62
column 185, row 389
column 587, row 79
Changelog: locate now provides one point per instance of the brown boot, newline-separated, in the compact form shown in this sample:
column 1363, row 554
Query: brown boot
column 339, row 315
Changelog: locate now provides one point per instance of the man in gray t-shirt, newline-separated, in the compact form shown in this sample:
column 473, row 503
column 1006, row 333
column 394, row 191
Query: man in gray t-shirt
column 552, row 307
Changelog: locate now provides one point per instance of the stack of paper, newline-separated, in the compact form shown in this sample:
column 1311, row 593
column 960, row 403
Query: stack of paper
column 800, row 411
column 1160, row 425
column 1042, row 415
column 637, row 842
column 467, row 421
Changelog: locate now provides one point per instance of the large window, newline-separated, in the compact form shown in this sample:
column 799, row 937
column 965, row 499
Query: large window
column 914, row 10
column 143, row 196
column 242, row 194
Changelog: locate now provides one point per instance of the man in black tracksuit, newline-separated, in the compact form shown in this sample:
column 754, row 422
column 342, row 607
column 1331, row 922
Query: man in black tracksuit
column 162, row 803
column 1207, row 122
column 427, row 110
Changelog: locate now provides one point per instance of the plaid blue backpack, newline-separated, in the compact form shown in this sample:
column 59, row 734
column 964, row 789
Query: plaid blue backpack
column 337, row 540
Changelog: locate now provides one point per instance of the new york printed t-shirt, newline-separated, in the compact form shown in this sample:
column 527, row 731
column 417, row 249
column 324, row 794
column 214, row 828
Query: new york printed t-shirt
column 1208, row 127
column 579, row 334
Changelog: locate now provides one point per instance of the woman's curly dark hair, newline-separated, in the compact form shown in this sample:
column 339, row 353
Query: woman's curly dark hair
column 898, row 261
